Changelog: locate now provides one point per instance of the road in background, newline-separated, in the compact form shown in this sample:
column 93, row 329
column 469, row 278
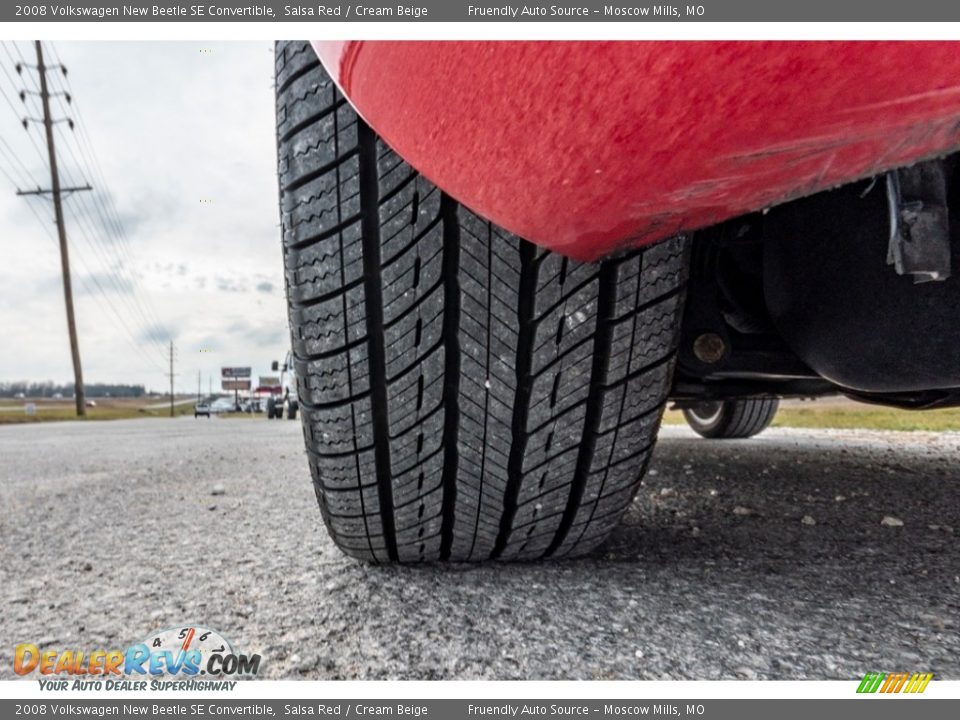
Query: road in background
column 798, row 554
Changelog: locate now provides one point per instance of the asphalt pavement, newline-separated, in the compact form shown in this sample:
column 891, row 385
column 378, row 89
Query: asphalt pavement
column 798, row 554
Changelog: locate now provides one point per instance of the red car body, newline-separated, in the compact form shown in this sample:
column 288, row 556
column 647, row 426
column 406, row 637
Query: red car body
column 589, row 147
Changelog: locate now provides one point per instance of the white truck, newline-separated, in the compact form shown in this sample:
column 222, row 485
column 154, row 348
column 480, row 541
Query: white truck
column 287, row 401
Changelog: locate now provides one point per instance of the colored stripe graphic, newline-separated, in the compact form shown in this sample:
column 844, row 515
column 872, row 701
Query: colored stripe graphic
column 894, row 682
column 870, row 682
column 922, row 682
column 891, row 682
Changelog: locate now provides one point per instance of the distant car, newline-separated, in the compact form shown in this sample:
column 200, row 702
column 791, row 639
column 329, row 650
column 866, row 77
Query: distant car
column 222, row 405
column 19, row 396
column 201, row 409
column 253, row 405
column 91, row 403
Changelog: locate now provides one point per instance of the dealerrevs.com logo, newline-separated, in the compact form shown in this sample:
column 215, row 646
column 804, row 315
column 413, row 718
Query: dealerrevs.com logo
column 173, row 659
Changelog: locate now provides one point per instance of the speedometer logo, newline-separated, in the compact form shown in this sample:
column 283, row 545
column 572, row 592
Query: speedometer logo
column 195, row 650
column 196, row 644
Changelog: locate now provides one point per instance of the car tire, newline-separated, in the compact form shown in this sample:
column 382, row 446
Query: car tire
column 465, row 395
column 291, row 411
column 731, row 419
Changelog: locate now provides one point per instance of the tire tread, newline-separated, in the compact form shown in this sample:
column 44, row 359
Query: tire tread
column 464, row 394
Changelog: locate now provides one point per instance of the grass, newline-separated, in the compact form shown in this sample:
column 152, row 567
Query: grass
column 829, row 413
column 107, row 409
column 850, row 415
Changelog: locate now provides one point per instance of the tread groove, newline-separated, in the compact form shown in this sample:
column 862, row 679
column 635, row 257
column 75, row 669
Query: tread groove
column 319, row 172
column 523, row 364
column 617, row 427
column 486, row 397
column 591, row 425
column 307, row 122
column 295, row 75
column 451, row 369
column 370, row 232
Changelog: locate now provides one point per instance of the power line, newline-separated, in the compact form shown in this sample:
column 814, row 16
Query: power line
column 83, row 140
column 23, row 96
column 19, row 118
column 103, row 201
column 56, row 193
column 9, row 177
column 94, row 290
column 88, row 226
column 17, row 164
column 91, row 217
column 88, row 233
column 23, row 62
column 88, row 153
column 93, row 227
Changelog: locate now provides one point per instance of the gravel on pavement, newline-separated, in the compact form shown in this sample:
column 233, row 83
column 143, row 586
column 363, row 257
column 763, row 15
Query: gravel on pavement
column 799, row 554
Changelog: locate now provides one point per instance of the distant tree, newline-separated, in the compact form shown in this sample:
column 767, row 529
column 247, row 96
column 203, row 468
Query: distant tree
column 49, row 389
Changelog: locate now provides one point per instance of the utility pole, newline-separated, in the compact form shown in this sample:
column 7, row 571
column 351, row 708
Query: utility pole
column 198, row 386
column 55, row 191
column 171, row 378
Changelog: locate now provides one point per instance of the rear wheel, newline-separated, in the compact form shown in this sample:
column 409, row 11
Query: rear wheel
column 730, row 419
column 465, row 395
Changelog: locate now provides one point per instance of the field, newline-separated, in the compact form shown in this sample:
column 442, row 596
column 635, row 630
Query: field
column 840, row 413
column 13, row 411
column 824, row 413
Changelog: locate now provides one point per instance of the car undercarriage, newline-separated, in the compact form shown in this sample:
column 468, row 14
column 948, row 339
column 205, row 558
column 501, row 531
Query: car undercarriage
column 846, row 291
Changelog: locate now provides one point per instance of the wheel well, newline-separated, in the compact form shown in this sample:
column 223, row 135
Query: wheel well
column 805, row 300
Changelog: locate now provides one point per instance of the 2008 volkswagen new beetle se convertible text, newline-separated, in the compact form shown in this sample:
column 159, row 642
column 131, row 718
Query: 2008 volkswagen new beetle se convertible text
column 503, row 259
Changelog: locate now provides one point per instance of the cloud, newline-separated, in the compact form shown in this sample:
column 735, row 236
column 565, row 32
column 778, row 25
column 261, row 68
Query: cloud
column 259, row 335
column 107, row 283
column 177, row 269
column 211, row 343
column 231, row 285
column 240, row 283
column 158, row 333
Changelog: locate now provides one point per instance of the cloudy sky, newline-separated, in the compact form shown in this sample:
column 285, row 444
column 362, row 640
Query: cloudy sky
column 179, row 239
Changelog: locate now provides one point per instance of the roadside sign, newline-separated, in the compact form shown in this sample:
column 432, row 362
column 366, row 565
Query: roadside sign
column 235, row 372
column 235, row 384
column 30, row 409
column 269, row 381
